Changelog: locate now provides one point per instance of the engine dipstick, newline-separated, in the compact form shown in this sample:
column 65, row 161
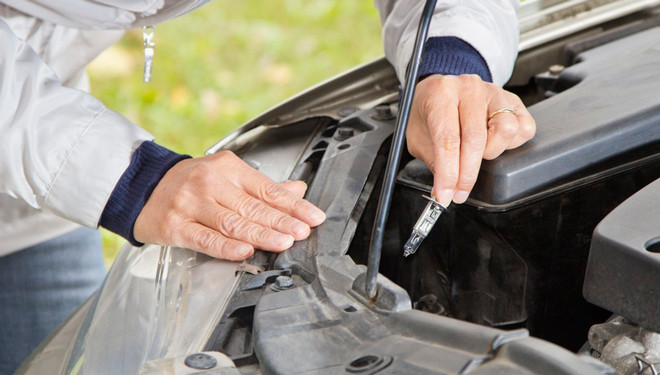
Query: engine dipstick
column 423, row 226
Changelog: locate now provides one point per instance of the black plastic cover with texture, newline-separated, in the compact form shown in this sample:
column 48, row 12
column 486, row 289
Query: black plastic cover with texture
column 324, row 325
column 623, row 272
column 608, row 112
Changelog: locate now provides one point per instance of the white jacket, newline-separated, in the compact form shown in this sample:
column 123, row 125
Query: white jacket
column 62, row 151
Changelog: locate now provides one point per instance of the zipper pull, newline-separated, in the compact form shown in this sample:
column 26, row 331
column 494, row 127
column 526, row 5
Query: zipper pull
column 149, row 45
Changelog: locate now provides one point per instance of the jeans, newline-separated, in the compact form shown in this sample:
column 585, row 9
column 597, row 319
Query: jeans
column 41, row 286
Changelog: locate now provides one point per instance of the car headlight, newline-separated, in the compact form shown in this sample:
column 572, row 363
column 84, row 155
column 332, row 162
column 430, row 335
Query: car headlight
column 156, row 302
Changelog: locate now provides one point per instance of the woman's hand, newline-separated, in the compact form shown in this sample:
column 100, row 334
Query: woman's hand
column 222, row 207
column 450, row 130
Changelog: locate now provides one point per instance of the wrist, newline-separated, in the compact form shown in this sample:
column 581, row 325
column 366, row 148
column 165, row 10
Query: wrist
column 452, row 56
column 149, row 163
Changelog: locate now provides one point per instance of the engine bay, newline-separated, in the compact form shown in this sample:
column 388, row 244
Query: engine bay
column 512, row 259
column 515, row 255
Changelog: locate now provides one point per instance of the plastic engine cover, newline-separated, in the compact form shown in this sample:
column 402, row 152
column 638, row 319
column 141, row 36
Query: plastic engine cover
column 608, row 113
column 623, row 272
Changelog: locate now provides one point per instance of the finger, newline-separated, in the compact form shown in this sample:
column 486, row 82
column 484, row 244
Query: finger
column 527, row 125
column 297, row 188
column 502, row 127
column 232, row 225
column 261, row 187
column 472, row 112
column 447, row 141
column 208, row 241
column 418, row 141
column 261, row 213
column 422, row 117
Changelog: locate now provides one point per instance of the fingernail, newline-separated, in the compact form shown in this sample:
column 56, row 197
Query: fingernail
column 283, row 240
column 243, row 250
column 299, row 228
column 461, row 196
column 317, row 216
column 445, row 197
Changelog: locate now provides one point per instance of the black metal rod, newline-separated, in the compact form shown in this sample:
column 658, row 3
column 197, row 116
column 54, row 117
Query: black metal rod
column 385, row 199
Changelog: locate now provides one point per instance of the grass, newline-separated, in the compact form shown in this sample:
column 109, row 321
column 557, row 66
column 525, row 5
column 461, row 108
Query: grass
column 227, row 62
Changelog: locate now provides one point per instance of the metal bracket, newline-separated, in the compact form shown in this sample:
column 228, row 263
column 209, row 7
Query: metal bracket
column 249, row 268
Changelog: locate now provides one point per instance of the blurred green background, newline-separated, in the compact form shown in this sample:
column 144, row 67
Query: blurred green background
column 227, row 62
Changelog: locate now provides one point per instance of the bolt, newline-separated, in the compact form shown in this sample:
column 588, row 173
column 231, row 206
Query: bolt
column 556, row 69
column 347, row 111
column 284, row 281
column 200, row 361
column 382, row 112
column 344, row 133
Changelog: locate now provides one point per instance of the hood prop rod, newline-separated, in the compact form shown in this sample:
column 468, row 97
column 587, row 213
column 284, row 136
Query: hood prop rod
column 385, row 199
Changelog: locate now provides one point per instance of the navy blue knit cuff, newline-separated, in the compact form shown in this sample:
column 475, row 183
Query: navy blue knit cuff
column 149, row 164
column 452, row 56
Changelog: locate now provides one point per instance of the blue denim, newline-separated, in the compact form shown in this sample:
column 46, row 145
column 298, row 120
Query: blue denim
column 41, row 286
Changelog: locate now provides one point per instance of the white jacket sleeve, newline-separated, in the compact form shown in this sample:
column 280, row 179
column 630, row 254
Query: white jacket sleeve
column 60, row 149
column 490, row 26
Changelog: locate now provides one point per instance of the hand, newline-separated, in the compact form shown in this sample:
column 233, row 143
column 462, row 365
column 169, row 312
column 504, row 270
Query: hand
column 222, row 207
column 449, row 130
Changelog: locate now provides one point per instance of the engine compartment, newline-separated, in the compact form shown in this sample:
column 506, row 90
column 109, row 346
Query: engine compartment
column 515, row 255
